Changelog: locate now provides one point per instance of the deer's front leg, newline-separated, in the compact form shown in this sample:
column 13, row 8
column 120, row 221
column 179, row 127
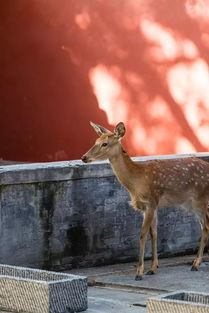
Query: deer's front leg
column 153, row 235
column 148, row 218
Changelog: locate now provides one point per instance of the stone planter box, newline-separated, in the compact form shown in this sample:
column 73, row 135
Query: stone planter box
column 178, row 302
column 36, row 291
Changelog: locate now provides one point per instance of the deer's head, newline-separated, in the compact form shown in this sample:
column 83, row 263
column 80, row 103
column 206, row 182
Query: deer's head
column 107, row 146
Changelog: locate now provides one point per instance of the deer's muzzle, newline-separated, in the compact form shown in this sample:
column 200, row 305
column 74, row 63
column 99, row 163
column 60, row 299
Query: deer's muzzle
column 85, row 159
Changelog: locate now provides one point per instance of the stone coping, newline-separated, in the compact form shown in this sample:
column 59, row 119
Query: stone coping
column 70, row 170
column 36, row 275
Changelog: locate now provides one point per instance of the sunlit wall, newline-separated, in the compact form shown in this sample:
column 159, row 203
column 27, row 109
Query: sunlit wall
column 66, row 62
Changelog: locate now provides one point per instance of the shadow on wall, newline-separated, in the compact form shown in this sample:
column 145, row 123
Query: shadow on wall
column 65, row 63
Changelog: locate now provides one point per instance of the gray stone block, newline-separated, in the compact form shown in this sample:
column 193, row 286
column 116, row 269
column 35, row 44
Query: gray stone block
column 36, row 291
column 178, row 302
column 61, row 215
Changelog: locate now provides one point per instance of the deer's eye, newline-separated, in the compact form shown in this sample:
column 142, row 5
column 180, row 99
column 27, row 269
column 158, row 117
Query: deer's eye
column 104, row 144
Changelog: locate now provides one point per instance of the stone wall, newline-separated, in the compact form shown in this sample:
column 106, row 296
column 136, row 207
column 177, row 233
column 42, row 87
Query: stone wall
column 61, row 215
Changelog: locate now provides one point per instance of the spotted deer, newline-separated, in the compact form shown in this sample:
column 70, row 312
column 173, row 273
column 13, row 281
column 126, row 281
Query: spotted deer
column 154, row 184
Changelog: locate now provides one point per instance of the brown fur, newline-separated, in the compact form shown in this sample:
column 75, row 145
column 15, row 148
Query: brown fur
column 155, row 184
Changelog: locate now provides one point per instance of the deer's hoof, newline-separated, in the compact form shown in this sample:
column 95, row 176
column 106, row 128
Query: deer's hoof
column 150, row 272
column 138, row 277
column 194, row 268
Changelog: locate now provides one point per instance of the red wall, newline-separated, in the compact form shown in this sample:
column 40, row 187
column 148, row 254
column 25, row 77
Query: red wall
column 66, row 62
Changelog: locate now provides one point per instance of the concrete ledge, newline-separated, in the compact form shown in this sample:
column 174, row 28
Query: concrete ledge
column 61, row 215
column 62, row 171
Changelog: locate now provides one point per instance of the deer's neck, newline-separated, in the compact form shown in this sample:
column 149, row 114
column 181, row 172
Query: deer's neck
column 127, row 171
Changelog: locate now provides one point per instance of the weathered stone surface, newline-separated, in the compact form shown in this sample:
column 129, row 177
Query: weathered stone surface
column 28, row 290
column 67, row 214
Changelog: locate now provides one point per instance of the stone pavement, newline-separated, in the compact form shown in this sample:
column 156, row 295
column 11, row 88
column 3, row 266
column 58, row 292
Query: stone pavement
column 113, row 288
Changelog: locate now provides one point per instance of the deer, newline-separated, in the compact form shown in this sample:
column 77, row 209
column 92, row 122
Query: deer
column 155, row 184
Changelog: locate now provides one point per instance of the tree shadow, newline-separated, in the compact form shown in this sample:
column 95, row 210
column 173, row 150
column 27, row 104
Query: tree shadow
column 70, row 62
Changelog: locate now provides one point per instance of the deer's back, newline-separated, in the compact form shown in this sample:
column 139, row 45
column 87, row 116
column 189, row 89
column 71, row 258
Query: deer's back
column 183, row 182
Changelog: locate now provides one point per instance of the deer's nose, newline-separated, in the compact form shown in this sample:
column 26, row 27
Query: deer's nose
column 84, row 158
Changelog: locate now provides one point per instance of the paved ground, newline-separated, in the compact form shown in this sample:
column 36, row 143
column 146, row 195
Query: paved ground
column 114, row 290
column 108, row 300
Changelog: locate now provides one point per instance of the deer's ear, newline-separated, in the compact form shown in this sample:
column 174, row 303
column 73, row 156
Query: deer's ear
column 99, row 129
column 120, row 130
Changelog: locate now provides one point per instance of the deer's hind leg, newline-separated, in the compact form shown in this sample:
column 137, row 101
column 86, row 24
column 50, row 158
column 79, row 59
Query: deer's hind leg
column 153, row 235
column 203, row 241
